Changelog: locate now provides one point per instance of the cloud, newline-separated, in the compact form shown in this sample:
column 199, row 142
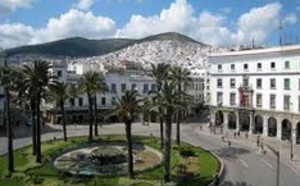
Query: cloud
column 66, row 25
column 291, row 19
column 7, row 6
column 180, row 17
column 257, row 23
column 15, row 35
column 207, row 27
column 84, row 4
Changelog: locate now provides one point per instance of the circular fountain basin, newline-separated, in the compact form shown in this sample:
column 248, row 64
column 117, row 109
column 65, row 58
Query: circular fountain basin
column 106, row 158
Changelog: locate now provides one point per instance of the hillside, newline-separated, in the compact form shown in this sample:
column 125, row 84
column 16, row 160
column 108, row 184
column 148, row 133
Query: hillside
column 81, row 47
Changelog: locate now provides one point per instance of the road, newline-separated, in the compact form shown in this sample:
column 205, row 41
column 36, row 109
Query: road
column 243, row 165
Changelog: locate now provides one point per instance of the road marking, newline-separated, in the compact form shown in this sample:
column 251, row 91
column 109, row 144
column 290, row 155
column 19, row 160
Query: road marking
column 266, row 163
column 243, row 162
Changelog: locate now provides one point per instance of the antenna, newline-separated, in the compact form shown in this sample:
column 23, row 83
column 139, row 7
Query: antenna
column 280, row 27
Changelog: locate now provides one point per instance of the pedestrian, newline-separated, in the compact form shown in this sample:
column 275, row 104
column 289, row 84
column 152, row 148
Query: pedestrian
column 234, row 134
column 238, row 133
column 223, row 138
column 229, row 143
column 258, row 140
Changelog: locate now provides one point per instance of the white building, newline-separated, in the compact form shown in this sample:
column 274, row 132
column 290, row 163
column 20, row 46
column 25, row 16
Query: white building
column 257, row 91
column 118, row 82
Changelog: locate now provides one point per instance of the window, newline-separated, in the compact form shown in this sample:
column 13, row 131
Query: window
column 258, row 100
column 259, row 66
column 219, row 83
column 123, row 87
column 259, row 83
column 286, row 102
column 232, row 66
column 133, row 86
column 232, row 99
column 80, row 102
column 59, row 73
column 287, row 64
column 72, row 102
column 146, row 88
column 287, row 84
column 103, row 101
column 219, row 67
column 113, row 88
column 245, row 66
column 113, row 101
column 196, row 86
column 273, row 83
column 219, row 98
column 153, row 87
column 232, row 83
column 272, row 101
column 273, row 66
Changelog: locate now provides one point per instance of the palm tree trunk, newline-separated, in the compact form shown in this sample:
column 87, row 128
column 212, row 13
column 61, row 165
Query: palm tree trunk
column 91, row 117
column 38, row 129
column 33, row 126
column 129, row 147
column 178, row 117
column 9, row 134
column 95, row 116
column 62, row 107
column 167, row 148
column 161, row 128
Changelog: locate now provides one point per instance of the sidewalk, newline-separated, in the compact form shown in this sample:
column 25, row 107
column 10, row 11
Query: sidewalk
column 283, row 147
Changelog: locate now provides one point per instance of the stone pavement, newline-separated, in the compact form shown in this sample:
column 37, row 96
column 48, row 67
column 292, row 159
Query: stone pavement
column 269, row 145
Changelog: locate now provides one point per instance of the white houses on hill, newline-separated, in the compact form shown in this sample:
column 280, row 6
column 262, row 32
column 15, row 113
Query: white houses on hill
column 257, row 91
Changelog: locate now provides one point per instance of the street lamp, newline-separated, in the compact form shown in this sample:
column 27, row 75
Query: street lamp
column 291, row 136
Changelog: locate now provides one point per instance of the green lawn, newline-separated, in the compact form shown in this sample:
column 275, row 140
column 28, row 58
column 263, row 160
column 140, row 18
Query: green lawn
column 202, row 164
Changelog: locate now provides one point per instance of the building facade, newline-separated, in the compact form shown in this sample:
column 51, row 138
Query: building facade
column 118, row 82
column 257, row 91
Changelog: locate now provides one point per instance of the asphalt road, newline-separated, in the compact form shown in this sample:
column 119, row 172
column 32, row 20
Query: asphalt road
column 243, row 166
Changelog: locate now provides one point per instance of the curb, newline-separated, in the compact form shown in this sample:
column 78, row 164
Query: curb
column 221, row 168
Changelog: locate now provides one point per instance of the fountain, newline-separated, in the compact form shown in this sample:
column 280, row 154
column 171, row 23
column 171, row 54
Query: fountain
column 106, row 159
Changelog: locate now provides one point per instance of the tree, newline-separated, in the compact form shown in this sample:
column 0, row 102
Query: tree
column 91, row 83
column 126, row 109
column 59, row 93
column 160, row 74
column 7, row 79
column 36, row 82
column 100, row 87
column 180, row 77
column 168, row 100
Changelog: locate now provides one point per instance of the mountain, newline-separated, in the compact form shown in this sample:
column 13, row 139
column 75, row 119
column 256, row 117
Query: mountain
column 73, row 47
column 81, row 47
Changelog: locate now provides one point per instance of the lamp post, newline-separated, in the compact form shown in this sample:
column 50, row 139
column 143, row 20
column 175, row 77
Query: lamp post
column 291, row 136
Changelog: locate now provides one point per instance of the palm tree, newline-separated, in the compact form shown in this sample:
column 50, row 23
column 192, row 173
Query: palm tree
column 126, row 109
column 6, row 80
column 179, row 77
column 160, row 74
column 168, row 99
column 59, row 93
column 90, row 83
column 100, row 87
column 36, row 82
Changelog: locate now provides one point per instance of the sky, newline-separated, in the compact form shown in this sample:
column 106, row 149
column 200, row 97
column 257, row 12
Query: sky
column 215, row 22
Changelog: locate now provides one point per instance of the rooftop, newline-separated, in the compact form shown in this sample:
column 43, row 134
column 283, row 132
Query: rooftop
column 282, row 49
